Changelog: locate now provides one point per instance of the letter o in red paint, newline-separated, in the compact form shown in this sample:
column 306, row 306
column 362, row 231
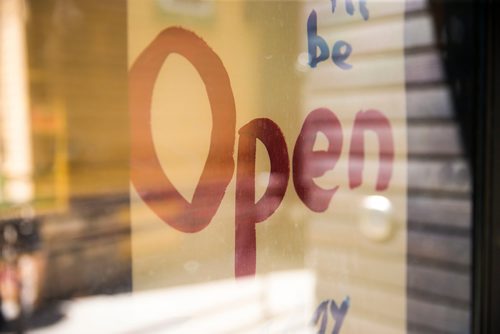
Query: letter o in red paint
column 148, row 177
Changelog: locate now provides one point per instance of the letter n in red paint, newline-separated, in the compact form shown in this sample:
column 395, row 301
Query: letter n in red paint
column 371, row 120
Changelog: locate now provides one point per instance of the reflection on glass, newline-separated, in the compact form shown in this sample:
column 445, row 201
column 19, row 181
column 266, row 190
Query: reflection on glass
column 232, row 166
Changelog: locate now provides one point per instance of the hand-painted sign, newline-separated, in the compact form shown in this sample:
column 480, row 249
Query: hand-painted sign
column 220, row 184
column 193, row 217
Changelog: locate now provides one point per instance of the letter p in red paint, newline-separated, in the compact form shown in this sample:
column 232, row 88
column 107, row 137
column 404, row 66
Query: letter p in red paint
column 249, row 212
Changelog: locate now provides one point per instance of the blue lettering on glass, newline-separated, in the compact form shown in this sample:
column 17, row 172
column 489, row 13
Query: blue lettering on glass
column 349, row 7
column 363, row 9
column 329, row 307
column 341, row 50
column 314, row 41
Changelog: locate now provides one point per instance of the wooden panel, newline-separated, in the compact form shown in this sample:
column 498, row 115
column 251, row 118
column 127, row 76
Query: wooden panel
column 324, row 7
column 435, row 282
column 363, row 42
column 443, row 175
column 441, row 318
column 430, row 103
column 439, row 176
column 430, row 140
column 439, row 184
column 424, row 104
column 430, row 282
column 444, row 248
column 447, row 212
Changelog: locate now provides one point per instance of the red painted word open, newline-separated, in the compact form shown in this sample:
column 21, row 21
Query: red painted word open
column 193, row 216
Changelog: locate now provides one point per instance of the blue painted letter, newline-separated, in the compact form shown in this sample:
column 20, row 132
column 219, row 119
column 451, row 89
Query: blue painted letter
column 340, row 52
column 314, row 41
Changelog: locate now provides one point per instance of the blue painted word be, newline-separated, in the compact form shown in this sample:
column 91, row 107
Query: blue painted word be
column 340, row 52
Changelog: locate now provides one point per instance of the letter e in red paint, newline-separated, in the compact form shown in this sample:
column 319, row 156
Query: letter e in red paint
column 309, row 164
